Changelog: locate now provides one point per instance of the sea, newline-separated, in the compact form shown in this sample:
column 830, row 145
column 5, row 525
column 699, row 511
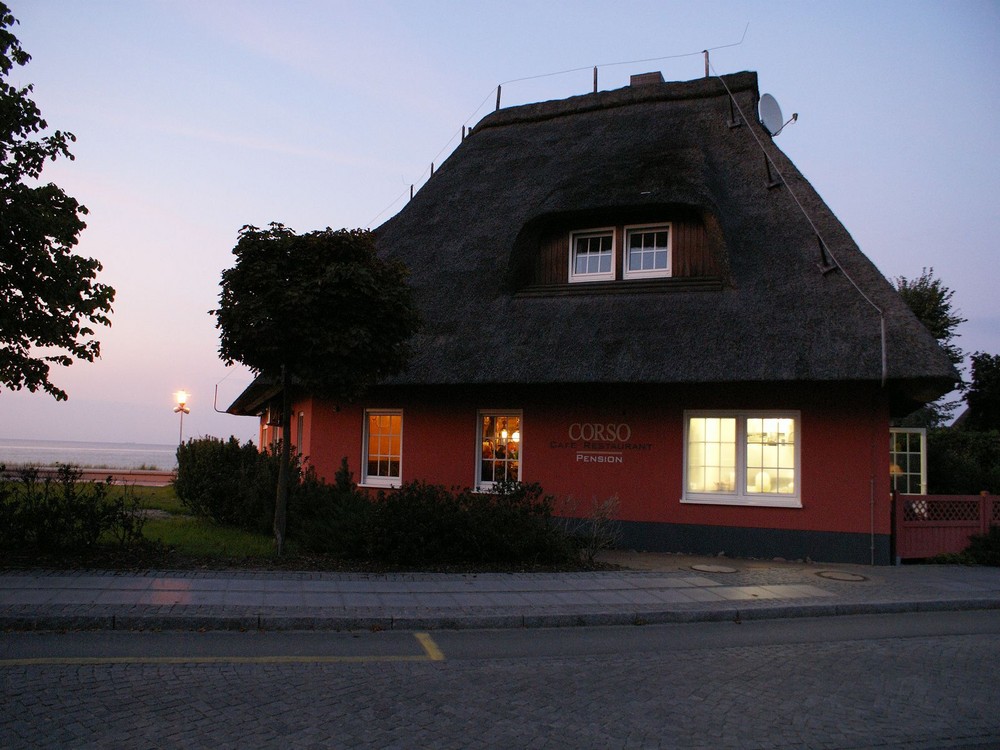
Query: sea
column 84, row 455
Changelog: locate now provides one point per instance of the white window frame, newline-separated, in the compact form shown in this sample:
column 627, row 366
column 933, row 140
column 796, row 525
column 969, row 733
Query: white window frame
column 487, row 485
column 368, row 480
column 739, row 495
column 626, row 249
column 896, row 470
column 576, row 278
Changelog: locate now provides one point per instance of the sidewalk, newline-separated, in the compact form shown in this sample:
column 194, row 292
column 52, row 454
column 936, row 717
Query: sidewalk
column 649, row 588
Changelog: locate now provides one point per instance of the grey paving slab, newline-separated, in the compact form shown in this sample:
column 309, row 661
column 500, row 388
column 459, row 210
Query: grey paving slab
column 308, row 599
column 241, row 598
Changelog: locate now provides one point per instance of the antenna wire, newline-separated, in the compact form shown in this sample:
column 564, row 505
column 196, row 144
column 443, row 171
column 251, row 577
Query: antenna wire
column 819, row 235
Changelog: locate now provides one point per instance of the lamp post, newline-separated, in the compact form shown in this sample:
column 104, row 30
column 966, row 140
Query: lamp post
column 181, row 397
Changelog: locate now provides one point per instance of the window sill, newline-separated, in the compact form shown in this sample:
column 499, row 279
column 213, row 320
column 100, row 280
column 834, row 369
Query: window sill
column 370, row 484
column 625, row 286
column 745, row 501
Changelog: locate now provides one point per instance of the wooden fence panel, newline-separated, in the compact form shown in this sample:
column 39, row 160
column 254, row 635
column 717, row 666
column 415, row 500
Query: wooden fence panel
column 928, row 525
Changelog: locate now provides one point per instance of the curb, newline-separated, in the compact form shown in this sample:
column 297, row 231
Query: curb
column 194, row 622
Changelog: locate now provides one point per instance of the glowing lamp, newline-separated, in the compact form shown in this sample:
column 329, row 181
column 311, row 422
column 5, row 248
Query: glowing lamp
column 181, row 397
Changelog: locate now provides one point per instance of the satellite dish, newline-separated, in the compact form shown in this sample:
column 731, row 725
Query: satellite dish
column 770, row 114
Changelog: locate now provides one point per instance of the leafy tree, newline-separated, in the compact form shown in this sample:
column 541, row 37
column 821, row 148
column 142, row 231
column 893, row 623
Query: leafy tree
column 983, row 396
column 320, row 311
column 930, row 300
column 50, row 298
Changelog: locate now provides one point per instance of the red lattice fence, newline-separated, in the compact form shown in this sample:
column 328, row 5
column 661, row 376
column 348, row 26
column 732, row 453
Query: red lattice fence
column 928, row 525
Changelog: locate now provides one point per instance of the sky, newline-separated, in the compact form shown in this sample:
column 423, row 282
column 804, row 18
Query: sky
column 196, row 118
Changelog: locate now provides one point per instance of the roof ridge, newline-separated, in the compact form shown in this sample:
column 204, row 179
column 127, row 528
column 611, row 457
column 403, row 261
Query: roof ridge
column 698, row 88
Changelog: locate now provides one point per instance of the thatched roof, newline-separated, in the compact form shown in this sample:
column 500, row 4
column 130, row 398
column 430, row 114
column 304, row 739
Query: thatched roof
column 772, row 315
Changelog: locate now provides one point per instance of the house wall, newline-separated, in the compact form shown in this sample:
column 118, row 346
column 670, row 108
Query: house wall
column 843, row 433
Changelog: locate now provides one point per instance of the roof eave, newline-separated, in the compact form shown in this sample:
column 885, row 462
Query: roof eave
column 252, row 401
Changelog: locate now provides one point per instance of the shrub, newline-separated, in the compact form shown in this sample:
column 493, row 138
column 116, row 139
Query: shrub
column 64, row 514
column 422, row 523
column 417, row 524
column 598, row 530
column 330, row 519
column 961, row 462
column 514, row 524
column 984, row 549
column 229, row 483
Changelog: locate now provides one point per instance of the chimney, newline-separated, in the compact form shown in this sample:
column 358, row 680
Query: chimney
column 644, row 79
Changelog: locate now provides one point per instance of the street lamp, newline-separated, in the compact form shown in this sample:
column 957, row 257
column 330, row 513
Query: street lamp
column 181, row 397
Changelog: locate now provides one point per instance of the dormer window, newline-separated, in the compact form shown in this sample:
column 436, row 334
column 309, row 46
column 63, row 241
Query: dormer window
column 592, row 255
column 647, row 251
column 618, row 251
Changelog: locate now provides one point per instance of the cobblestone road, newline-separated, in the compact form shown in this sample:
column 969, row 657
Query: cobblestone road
column 914, row 693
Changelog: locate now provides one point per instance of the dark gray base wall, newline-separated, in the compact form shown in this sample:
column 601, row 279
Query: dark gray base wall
column 734, row 541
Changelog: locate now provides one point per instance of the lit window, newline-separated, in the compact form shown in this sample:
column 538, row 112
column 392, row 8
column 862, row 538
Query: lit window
column 499, row 439
column 592, row 255
column 908, row 460
column 741, row 458
column 647, row 251
column 383, row 448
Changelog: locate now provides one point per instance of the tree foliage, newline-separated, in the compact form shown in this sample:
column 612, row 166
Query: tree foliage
column 50, row 298
column 321, row 304
column 931, row 301
column 319, row 310
column 983, row 395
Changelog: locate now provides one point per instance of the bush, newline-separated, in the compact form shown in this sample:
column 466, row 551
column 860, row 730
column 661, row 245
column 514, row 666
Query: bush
column 417, row 524
column 961, row 462
column 984, row 549
column 329, row 519
column 427, row 524
column 65, row 515
column 598, row 530
column 229, row 483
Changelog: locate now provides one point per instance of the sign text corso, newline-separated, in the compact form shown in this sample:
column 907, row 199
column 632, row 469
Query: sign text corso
column 600, row 442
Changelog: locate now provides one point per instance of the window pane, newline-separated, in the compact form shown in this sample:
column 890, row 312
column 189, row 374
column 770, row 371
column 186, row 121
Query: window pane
column 711, row 458
column 500, row 437
column 770, row 455
column 648, row 250
column 384, row 445
column 592, row 255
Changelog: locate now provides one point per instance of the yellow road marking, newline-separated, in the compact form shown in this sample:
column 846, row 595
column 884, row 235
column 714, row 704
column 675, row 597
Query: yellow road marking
column 431, row 653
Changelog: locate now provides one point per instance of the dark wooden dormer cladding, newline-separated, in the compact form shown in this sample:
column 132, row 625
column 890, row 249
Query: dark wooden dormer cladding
column 540, row 262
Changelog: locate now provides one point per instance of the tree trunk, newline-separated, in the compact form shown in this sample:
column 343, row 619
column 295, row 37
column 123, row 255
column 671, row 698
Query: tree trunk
column 284, row 465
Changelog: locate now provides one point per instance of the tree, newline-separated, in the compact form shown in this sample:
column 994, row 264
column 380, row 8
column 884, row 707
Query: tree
column 50, row 297
column 320, row 311
column 930, row 301
column 983, row 395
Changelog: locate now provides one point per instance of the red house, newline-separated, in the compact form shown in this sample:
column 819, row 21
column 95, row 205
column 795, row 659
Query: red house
column 635, row 293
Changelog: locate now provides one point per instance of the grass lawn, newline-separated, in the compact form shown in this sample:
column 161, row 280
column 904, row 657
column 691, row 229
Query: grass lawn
column 195, row 537
column 160, row 498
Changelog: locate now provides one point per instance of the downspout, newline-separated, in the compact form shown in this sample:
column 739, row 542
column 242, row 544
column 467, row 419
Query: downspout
column 873, row 479
column 871, row 506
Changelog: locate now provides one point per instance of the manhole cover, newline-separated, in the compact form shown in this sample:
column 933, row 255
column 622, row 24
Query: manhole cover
column 713, row 568
column 836, row 575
